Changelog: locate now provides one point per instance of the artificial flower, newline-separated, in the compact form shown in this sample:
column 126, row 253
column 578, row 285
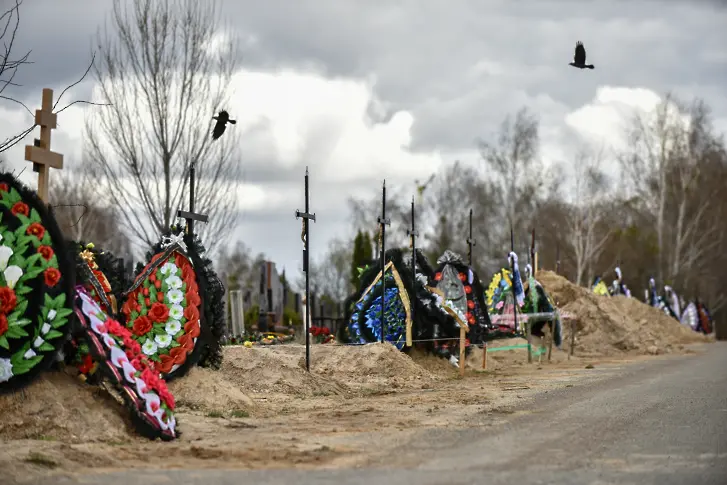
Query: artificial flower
column 173, row 327
column 86, row 364
column 193, row 298
column 158, row 313
column 20, row 208
column 8, row 300
column 163, row 341
column 176, row 312
column 192, row 328
column 6, row 370
column 168, row 268
column 149, row 347
column 3, row 324
column 36, row 230
column 178, row 354
column 12, row 275
column 5, row 253
column 46, row 252
column 175, row 296
column 4, row 187
column 142, row 325
column 191, row 313
column 174, row 282
column 51, row 315
column 52, row 277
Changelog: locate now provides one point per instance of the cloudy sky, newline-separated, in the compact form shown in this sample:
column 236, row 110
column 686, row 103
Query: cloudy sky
column 362, row 90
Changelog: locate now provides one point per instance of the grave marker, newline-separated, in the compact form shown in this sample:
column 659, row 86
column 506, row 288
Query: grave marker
column 192, row 216
column 383, row 222
column 305, row 236
column 412, row 233
column 40, row 153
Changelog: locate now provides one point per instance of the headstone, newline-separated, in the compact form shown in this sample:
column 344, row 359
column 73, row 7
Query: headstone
column 237, row 313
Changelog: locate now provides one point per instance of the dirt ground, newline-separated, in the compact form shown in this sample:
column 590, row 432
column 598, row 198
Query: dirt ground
column 357, row 405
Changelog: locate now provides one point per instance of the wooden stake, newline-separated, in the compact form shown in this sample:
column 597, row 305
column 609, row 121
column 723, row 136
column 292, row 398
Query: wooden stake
column 462, row 363
column 550, row 343
column 484, row 356
column 572, row 338
column 40, row 153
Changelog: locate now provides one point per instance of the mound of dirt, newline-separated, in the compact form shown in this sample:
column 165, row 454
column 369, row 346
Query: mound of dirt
column 208, row 391
column 275, row 369
column 372, row 366
column 612, row 325
column 58, row 407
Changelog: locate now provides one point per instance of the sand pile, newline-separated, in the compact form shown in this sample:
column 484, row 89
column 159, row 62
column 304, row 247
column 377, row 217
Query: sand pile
column 372, row 366
column 610, row 325
column 59, row 407
column 275, row 369
column 206, row 390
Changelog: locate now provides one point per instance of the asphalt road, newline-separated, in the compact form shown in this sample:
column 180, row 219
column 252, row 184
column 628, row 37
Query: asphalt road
column 662, row 422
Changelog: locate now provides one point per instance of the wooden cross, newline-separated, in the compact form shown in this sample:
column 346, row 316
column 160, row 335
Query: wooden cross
column 39, row 153
column 192, row 216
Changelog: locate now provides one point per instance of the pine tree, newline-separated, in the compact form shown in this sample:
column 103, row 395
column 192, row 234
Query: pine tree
column 368, row 249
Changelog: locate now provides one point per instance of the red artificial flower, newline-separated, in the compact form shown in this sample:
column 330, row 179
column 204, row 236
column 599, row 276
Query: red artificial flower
column 158, row 285
column 136, row 363
column 52, row 277
column 147, row 302
column 3, row 324
column 188, row 273
column 46, row 252
column 468, row 289
column 160, row 297
column 326, row 331
column 180, row 260
column 36, row 230
column 113, row 327
column 471, row 320
column 142, row 325
column 462, row 277
column 166, row 364
column 159, row 312
column 470, row 304
column 20, row 208
column 191, row 313
column 178, row 354
column 153, row 277
column 437, row 276
column 145, row 291
column 186, row 342
column 167, row 398
column 192, row 328
column 86, row 364
column 4, row 187
column 8, row 300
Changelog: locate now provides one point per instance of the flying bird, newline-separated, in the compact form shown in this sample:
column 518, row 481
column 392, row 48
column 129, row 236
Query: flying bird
column 222, row 118
column 579, row 59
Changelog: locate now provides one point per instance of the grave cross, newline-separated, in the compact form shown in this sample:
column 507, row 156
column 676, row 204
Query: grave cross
column 307, row 216
column 413, row 233
column 192, row 216
column 39, row 153
column 470, row 242
column 383, row 222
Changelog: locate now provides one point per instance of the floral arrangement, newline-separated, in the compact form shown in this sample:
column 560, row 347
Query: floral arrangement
column 211, row 289
column 468, row 317
column 500, row 281
column 34, row 290
column 322, row 335
column 121, row 357
column 163, row 310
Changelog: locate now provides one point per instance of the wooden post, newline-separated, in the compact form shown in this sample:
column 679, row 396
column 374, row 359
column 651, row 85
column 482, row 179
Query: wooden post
column 484, row 356
column 462, row 340
column 552, row 338
column 572, row 338
column 40, row 153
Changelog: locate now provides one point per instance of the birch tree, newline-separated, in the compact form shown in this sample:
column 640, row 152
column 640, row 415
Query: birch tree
column 586, row 235
column 165, row 68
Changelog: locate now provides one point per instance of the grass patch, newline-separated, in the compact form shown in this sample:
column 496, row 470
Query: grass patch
column 41, row 460
column 214, row 414
column 239, row 413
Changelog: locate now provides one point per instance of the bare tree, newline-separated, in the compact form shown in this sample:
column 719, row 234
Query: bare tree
column 81, row 215
column 514, row 173
column 364, row 214
column 9, row 65
column 587, row 235
column 166, row 70
column 244, row 265
column 331, row 274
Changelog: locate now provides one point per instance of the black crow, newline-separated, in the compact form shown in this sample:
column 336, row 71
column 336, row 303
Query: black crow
column 579, row 60
column 222, row 119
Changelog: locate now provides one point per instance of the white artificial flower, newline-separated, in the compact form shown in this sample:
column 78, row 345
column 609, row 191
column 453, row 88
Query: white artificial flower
column 172, row 327
column 174, row 282
column 175, row 296
column 12, row 275
column 45, row 328
column 38, row 342
column 169, row 268
column 149, row 347
column 176, row 312
column 51, row 315
column 163, row 341
column 5, row 253
column 6, row 370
